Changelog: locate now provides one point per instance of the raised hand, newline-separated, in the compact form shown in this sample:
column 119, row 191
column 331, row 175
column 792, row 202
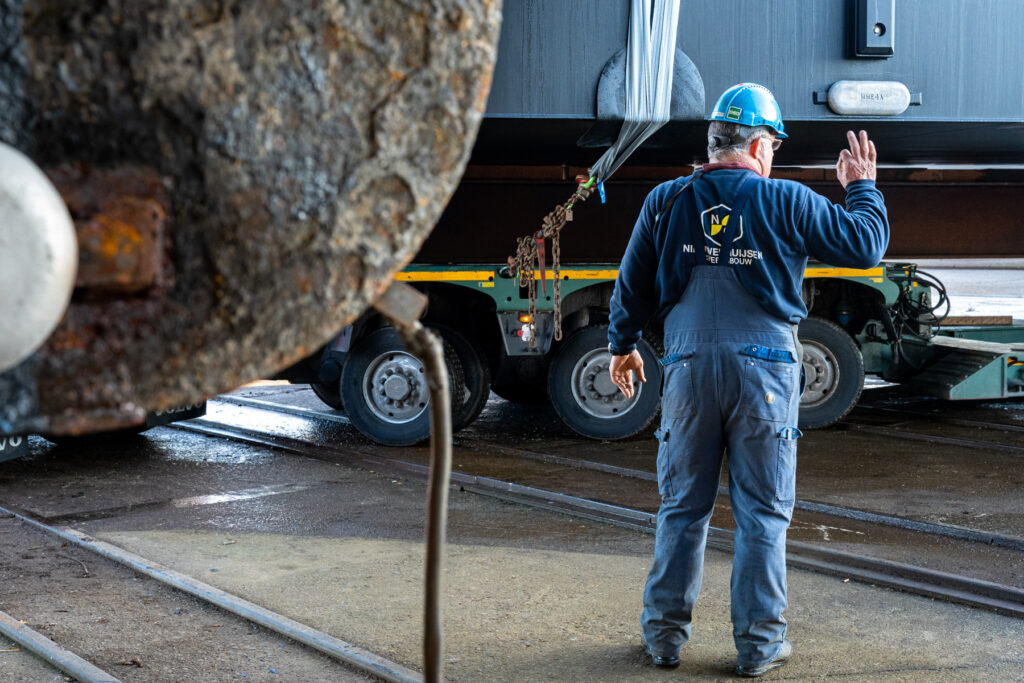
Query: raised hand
column 857, row 162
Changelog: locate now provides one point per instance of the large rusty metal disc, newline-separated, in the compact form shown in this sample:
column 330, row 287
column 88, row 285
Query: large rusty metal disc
column 245, row 178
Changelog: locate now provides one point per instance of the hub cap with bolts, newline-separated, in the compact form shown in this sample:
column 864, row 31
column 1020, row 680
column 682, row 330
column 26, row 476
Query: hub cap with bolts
column 822, row 374
column 594, row 391
column 395, row 387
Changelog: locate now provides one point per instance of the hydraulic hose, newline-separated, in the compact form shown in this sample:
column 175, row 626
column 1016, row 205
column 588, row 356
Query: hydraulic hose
column 403, row 305
column 428, row 348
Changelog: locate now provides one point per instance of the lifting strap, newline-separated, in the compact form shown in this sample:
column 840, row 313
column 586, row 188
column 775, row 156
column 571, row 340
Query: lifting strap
column 650, row 65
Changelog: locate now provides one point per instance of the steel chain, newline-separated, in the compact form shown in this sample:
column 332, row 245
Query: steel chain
column 527, row 255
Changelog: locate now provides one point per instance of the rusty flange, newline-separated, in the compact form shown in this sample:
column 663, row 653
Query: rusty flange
column 245, row 178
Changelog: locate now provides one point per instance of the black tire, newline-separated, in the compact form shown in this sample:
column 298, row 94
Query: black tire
column 331, row 395
column 530, row 394
column 405, row 422
column 585, row 398
column 476, row 376
column 834, row 373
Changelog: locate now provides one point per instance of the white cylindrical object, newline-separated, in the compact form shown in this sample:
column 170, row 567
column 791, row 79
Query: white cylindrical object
column 38, row 257
column 868, row 98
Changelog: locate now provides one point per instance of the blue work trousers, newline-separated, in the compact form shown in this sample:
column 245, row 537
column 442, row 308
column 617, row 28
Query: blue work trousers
column 731, row 385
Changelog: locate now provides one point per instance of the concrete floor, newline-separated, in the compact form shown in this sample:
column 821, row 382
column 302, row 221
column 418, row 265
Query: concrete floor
column 933, row 482
column 531, row 595
column 133, row 627
column 20, row 665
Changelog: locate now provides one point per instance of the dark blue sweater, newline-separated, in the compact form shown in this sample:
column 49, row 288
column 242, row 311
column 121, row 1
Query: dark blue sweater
column 783, row 224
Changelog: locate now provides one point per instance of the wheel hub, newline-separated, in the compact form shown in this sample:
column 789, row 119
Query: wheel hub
column 394, row 387
column 822, row 374
column 594, row 391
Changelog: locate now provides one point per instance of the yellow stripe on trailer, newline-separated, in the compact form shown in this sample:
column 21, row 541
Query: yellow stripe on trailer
column 580, row 274
column 809, row 272
column 844, row 272
column 483, row 275
column 590, row 274
column 566, row 274
column 445, row 276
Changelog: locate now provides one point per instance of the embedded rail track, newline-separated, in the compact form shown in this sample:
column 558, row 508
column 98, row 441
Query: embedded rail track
column 895, row 432
column 479, row 469
column 943, row 419
column 50, row 652
column 478, row 445
column 870, row 419
column 83, row 670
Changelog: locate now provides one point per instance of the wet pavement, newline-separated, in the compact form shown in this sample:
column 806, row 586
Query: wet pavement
column 20, row 665
column 973, row 489
column 131, row 627
column 532, row 595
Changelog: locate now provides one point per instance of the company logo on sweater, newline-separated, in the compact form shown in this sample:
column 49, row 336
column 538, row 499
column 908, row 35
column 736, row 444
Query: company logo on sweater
column 715, row 220
column 717, row 227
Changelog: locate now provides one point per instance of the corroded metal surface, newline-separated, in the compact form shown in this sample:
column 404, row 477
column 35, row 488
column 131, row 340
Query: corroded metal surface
column 121, row 218
column 245, row 177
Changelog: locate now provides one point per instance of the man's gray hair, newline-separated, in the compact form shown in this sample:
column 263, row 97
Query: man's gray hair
column 726, row 138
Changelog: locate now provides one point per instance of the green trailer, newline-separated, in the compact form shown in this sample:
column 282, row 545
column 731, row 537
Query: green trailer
column 878, row 321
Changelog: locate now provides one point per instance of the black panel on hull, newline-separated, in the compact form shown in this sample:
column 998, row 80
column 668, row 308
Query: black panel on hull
column 554, row 141
column 959, row 214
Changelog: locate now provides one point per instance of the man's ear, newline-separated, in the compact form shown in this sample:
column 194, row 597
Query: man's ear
column 755, row 147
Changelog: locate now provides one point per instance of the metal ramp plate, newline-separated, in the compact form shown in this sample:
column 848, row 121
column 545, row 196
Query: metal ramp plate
column 971, row 369
column 977, row 345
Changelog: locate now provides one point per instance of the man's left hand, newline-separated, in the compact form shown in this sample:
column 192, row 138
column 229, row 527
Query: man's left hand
column 859, row 162
column 622, row 368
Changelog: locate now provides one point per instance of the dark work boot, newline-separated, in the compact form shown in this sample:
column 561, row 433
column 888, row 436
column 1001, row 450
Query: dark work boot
column 785, row 652
column 661, row 661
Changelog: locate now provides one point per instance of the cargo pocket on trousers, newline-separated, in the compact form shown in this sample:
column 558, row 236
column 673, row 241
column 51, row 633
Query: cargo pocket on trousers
column 678, row 398
column 769, row 380
column 785, row 466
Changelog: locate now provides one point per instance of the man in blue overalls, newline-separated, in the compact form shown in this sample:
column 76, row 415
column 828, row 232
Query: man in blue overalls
column 721, row 255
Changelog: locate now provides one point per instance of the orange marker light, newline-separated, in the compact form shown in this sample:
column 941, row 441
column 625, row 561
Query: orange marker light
column 525, row 319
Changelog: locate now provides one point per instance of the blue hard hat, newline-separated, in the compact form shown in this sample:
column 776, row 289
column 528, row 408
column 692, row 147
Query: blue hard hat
column 750, row 104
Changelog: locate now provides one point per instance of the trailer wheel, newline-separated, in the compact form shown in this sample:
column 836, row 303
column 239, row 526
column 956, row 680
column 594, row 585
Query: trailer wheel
column 834, row 373
column 384, row 389
column 475, row 374
column 584, row 396
column 329, row 394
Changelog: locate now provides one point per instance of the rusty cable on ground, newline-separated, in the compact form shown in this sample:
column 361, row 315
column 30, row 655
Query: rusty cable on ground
column 530, row 250
column 85, row 569
column 403, row 305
